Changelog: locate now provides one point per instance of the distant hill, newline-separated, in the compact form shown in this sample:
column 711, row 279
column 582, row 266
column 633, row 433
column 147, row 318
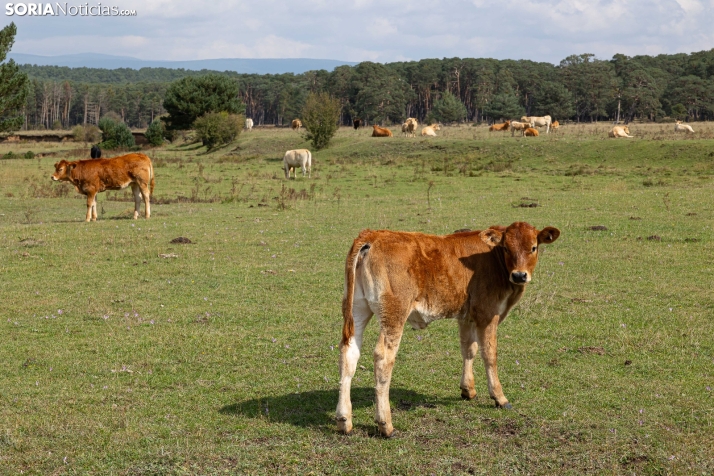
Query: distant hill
column 249, row 66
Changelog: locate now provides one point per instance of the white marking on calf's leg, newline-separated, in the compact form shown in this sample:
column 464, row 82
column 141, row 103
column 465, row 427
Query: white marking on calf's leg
column 349, row 356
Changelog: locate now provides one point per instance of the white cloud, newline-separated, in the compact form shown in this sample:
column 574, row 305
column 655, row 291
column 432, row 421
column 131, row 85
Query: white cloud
column 385, row 30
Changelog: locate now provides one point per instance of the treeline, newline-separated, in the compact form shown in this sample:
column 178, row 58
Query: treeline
column 581, row 88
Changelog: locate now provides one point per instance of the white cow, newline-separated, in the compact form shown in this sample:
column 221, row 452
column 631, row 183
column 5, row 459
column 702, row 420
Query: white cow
column 536, row 121
column 249, row 124
column 430, row 130
column 297, row 158
column 679, row 127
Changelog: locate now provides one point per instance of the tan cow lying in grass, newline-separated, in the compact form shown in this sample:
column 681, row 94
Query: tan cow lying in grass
column 619, row 131
column 475, row 277
column 679, row 127
column 297, row 158
column 530, row 132
column 430, row 130
column 518, row 126
column 91, row 177
column 380, row 131
column 500, row 127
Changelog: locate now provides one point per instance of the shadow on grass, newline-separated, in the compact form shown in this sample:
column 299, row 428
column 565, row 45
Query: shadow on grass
column 316, row 409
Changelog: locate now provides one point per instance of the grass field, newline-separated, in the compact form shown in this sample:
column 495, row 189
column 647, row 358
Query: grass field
column 221, row 356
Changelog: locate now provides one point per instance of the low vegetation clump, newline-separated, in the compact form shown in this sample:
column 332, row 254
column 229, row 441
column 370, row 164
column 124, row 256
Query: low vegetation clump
column 115, row 134
column 88, row 133
column 218, row 128
column 319, row 117
column 155, row 133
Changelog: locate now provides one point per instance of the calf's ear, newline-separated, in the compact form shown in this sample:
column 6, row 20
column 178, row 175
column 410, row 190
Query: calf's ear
column 548, row 235
column 491, row 237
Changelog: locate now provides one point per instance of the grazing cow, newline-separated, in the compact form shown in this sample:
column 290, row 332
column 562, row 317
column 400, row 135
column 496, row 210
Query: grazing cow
column 530, row 132
column 296, row 124
column 411, row 127
column 500, row 127
column 90, row 177
column 554, row 126
column 380, row 131
column 475, row 277
column 412, row 120
column 249, row 124
column 620, row 131
column 430, row 130
column 405, row 129
column 536, row 121
column 518, row 126
column 96, row 152
column 679, row 127
column 357, row 123
column 297, row 158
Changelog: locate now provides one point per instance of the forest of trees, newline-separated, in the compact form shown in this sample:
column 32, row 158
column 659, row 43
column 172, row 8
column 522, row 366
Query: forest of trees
column 581, row 88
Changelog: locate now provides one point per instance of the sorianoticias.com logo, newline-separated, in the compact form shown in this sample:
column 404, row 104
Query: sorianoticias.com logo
column 65, row 9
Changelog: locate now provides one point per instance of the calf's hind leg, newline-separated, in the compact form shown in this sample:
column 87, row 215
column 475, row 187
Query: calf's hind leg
column 137, row 199
column 146, row 195
column 349, row 355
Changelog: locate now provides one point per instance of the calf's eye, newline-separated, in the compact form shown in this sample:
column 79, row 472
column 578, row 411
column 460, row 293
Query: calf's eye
column 533, row 250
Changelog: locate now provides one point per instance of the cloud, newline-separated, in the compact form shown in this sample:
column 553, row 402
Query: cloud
column 388, row 30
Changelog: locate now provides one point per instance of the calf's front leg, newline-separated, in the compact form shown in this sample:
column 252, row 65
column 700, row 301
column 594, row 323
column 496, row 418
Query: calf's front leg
column 488, row 342
column 469, row 350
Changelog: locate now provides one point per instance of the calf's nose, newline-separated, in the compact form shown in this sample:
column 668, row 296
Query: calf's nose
column 519, row 276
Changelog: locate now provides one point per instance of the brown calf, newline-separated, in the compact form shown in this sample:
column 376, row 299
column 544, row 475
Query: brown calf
column 500, row 127
column 475, row 277
column 381, row 131
column 90, row 177
column 531, row 132
column 296, row 124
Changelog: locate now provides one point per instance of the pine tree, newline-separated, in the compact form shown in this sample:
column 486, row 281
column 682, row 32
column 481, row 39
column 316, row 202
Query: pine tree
column 13, row 84
column 448, row 109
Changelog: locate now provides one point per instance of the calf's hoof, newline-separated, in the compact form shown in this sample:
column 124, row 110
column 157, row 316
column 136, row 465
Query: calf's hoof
column 468, row 394
column 344, row 425
column 386, row 430
column 505, row 406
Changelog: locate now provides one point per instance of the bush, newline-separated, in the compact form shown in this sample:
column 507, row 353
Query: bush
column 155, row 133
column 88, row 133
column 320, row 116
column 447, row 109
column 29, row 155
column 218, row 128
column 115, row 134
column 57, row 125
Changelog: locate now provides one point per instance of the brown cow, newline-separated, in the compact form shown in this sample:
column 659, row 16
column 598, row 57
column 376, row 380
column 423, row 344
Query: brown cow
column 357, row 123
column 90, row 177
column 475, row 277
column 554, row 126
column 296, row 124
column 500, row 127
column 530, row 132
column 380, row 131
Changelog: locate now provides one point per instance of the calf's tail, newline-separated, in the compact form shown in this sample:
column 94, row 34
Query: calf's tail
column 152, row 182
column 348, row 326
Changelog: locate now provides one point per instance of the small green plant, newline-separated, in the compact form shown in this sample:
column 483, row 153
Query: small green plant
column 218, row 128
column 29, row 155
column 155, row 133
column 116, row 135
column 87, row 133
column 320, row 116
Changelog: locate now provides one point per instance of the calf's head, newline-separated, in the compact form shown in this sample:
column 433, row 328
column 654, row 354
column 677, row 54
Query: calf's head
column 519, row 243
column 62, row 170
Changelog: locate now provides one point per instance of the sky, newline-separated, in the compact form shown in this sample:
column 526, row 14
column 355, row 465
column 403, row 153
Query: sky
column 380, row 30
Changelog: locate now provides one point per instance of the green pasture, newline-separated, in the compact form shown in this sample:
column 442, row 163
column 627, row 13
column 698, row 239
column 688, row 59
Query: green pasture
column 123, row 353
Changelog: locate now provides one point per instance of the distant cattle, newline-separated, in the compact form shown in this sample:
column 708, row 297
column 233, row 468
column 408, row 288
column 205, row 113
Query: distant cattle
column 475, row 277
column 412, row 120
column 357, row 123
column 530, row 132
column 518, row 126
column 500, row 127
column 296, row 124
column 249, row 124
column 96, row 152
column 90, row 177
column 538, row 121
column 430, row 130
column 679, row 127
column 554, row 126
column 297, row 158
column 619, row 131
column 380, row 131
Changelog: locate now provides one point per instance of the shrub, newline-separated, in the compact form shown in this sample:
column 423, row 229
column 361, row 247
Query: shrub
column 320, row 116
column 88, row 133
column 448, row 109
column 57, row 125
column 29, row 155
column 155, row 133
column 218, row 128
column 115, row 134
